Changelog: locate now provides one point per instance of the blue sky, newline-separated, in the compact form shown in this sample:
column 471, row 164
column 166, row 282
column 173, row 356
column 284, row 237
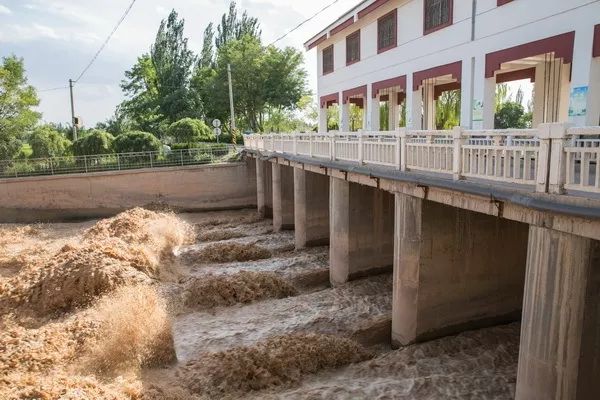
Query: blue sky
column 57, row 38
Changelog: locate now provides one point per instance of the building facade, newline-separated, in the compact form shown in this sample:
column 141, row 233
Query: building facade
column 391, row 60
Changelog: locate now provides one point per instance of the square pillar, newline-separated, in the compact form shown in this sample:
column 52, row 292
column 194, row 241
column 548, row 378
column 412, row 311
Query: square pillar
column 374, row 110
column 453, row 270
column 283, row 197
column 467, row 92
column 483, row 102
column 323, row 119
column 345, row 117
column 559, row 353
column 311, row 208
column 586, row 73
column 414, row 110
column 428, row 106
column 362, row 229
column 393, row 114
column 264, row 188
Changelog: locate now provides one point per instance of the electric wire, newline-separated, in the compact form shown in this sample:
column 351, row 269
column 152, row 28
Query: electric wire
column 88, row 66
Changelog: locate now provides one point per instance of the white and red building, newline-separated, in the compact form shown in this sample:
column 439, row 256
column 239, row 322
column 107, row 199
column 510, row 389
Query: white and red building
column 407, row 52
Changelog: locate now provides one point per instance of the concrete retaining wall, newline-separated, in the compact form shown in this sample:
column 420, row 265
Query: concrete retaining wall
column 78, row 196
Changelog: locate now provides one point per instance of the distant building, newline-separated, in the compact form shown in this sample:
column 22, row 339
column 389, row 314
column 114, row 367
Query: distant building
column 402, row 54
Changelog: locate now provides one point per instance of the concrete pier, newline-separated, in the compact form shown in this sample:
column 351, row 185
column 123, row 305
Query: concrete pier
column 454, row 270
column 283, row 197
column 264, row 188
column 362, row 230
column 559, row 355
column 311, row 208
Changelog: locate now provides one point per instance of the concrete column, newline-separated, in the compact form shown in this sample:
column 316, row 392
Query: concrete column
column 345, row 117
column 323, row 120
column 483, row 102
column 264, row 188
column 452, row 270
column 283, row 197
column 414, row 101
column 311, row 208
column 361, row 231
column 393, row 114
column 466, row 93
column 586, row 73
column 539, row 105
column 559, row 353
column 374, row 111
column 551, row 97
column 429, row 105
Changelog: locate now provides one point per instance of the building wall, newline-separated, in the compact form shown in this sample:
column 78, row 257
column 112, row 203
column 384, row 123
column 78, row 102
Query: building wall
column 51, row 198
column 495, row 28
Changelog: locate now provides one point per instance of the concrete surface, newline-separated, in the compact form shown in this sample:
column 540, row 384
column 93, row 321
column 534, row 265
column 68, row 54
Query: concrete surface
column 311, row 206
column 80, row 196
column 264, row 188
column 283, row 197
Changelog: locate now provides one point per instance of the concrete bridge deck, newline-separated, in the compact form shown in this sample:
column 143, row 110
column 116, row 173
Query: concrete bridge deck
column 465, row 252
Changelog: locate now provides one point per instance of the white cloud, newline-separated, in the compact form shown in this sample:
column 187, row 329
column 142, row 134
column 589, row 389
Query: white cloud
column 5, row 10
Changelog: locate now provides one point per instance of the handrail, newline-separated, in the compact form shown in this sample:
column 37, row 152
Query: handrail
column 552, row 157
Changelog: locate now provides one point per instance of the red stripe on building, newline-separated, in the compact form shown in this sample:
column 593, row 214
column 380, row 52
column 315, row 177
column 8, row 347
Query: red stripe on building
column 342, row 26
column 333, row 98
column 318, row 41
column 363, row 13
column 560, row 45
column 357, row 91
column 399, row 81
column 596, row 47
column 439, row 89
column 528, row 73
column 454, row 69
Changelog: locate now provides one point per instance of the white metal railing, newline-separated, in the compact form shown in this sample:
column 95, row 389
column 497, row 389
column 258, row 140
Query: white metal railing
column 553, row 157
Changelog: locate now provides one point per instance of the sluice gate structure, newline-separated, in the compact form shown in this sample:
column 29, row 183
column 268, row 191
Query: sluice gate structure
column 479, row 227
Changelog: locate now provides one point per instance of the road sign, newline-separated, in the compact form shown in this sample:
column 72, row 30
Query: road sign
column 216, row 123
column 217, row 131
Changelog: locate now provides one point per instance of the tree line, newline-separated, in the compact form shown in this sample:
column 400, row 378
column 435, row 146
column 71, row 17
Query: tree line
column 172, row 94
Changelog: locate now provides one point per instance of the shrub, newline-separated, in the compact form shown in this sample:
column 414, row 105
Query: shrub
column 136, row 141
column 48, row 142
column 95, row 142
column 190, row 130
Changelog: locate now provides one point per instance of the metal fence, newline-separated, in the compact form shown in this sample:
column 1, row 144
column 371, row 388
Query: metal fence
column 209, row 153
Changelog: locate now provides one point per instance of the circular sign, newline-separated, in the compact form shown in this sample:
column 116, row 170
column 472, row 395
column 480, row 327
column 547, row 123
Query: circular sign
column 216, row 123
column 217, row 131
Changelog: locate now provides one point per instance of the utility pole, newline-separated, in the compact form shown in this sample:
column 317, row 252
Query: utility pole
column 231, row 100
column 73, row 111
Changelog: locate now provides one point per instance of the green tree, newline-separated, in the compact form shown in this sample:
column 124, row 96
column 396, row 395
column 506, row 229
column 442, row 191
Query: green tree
column 233, row 27
column 189, row 130
column 511, row 115
column 17, row 100
column 158, row 85
column 95, row 142
column 447, row 110
column 136, row 141
column 45, row 141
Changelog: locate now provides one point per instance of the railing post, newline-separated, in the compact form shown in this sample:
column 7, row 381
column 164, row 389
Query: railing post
column 360, row 148
column 551, row 163
column 85, row 163
column 332, row 154
column 458, row 141
column 401, row 151
column 150, row 155
column 295, row 138
column 51, row 167
column 310, row 144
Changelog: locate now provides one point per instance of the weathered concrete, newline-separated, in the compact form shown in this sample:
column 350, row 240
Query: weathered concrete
column 362, row 230
column 311, row 208
column 453, row 270
column 559, row 355
column 100, row 194
column 283, row 197
column 264, row 188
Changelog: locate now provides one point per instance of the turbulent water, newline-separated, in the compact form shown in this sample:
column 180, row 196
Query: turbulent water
column 473, row 365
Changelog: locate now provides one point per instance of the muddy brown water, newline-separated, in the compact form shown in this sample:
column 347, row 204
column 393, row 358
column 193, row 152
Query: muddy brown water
column 473, row 365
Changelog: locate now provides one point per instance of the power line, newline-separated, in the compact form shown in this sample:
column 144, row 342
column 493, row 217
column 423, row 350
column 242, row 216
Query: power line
column 303, row 22
column 106, row 41
column 53, row 89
